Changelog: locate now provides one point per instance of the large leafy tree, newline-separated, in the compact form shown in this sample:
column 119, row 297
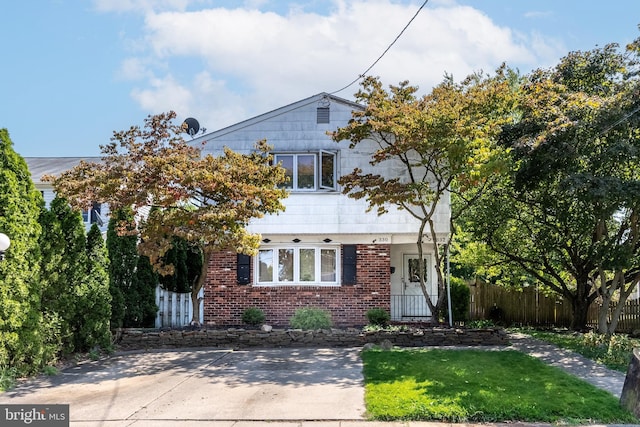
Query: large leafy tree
column 440, row 142
column 567, row 214
column 206, row 200
column 22, row 331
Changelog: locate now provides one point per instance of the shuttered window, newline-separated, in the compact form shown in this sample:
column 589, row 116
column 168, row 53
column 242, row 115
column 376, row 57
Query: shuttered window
column 298, row 265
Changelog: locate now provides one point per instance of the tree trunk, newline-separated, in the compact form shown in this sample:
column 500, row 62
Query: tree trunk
column 580, row 307
column 195, row 289
column 421, row 268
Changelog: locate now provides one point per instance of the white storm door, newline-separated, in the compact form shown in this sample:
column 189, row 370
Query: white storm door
column 414, row 303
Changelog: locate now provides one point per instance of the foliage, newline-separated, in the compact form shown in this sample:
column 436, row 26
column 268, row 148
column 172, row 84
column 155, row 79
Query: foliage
column 310, row 318
column 204, row 199
column 613, row 351
column 434, row 144
column 22, row 340
column 123, row 258
column 64, row 268
column 460, row 299
column 378, row 317
column 7, row 378
column 93, row 299
column 566, row 213
column 480, row 386
column 480, row 324
column 253, row 316
column 389, row 328
column 187, row 261
column 141, row 308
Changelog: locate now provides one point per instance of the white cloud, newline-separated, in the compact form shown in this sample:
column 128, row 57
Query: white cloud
column 164, row 94
column 140, row 5
column 279, row 58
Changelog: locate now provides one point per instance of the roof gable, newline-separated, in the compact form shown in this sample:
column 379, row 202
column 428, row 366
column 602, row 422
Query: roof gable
column 319, row 99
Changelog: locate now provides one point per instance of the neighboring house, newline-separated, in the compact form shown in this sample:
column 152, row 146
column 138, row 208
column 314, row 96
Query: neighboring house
column 40, row 166
column 325, row 250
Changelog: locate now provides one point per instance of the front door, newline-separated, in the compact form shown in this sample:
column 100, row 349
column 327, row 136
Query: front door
column 414, row 304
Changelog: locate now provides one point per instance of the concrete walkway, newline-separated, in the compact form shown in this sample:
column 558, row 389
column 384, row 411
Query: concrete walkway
column 573, row 363
column 248, row 388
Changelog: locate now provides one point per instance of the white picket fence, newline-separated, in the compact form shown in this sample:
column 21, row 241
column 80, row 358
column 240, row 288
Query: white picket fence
column 175, row 310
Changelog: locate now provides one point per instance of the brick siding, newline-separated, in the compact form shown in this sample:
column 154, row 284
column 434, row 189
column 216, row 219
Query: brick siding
column 225, row 300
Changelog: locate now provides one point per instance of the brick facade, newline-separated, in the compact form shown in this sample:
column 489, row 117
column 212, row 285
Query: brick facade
column 225, row 300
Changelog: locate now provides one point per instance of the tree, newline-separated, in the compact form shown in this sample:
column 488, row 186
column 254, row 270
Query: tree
column 141, row 308
column 567, row 212
column 206, row 200
column 187, row 260
column 443, row 141
column 22, row 331
column 64, row 266
column 122, row 249
column 93, row 298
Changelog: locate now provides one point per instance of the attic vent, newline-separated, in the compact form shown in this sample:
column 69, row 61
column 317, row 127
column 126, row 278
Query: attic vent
column 323, row 115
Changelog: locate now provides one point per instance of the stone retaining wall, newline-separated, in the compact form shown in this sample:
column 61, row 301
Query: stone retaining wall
column 139, row 339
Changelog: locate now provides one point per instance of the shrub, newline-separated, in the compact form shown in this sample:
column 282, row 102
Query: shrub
column 253, row 316
column 460, row 298
column 378, row 317
column 311, row 318
column 480, row 324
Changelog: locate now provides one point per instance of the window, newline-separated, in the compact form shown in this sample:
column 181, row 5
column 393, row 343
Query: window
column 298, row 265
column 309, row 171
column 93, row 215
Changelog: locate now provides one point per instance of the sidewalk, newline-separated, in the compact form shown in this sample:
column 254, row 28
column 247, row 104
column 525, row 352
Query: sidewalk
column 573, row 363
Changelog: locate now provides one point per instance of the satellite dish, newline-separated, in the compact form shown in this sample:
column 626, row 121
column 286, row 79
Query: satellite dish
column 191, row 126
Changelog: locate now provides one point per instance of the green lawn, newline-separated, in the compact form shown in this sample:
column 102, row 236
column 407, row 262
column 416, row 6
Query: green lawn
column 480, row 386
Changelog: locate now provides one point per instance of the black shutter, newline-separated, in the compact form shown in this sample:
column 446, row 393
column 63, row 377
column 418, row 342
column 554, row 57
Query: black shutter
column 349, row 264
column 243, row 269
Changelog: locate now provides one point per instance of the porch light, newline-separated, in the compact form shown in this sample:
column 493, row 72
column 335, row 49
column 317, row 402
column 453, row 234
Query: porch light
column 5, row 242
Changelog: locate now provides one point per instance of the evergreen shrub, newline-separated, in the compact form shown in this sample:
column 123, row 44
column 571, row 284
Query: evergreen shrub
column 253, row 316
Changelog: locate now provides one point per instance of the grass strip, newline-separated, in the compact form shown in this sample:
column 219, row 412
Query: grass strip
column 480, row 386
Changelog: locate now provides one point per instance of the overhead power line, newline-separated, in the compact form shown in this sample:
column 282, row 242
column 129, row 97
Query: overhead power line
column 364, row 73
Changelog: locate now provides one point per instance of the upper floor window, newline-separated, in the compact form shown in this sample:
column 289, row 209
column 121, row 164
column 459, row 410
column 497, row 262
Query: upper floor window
column 309, row 171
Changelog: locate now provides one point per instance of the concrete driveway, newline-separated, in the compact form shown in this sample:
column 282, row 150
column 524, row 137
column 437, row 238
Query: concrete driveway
column 205, row 385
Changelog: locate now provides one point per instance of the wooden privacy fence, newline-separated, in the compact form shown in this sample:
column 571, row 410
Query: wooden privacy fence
column 175, row 310
column 530, row 307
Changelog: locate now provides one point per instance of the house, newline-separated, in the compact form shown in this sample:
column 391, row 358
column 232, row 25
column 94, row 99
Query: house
column 40, row 166
column 325, row 250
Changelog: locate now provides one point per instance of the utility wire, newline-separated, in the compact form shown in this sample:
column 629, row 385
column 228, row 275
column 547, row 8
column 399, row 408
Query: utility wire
column 385, row 51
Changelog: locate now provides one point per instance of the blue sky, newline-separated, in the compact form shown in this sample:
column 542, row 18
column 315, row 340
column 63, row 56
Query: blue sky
column 75, row 71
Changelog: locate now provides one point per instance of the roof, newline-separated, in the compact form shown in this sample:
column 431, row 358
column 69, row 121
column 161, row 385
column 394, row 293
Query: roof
column 275, row 113
column 39, row 166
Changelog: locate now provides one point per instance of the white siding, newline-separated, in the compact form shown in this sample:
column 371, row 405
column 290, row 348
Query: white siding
column 294, row 129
